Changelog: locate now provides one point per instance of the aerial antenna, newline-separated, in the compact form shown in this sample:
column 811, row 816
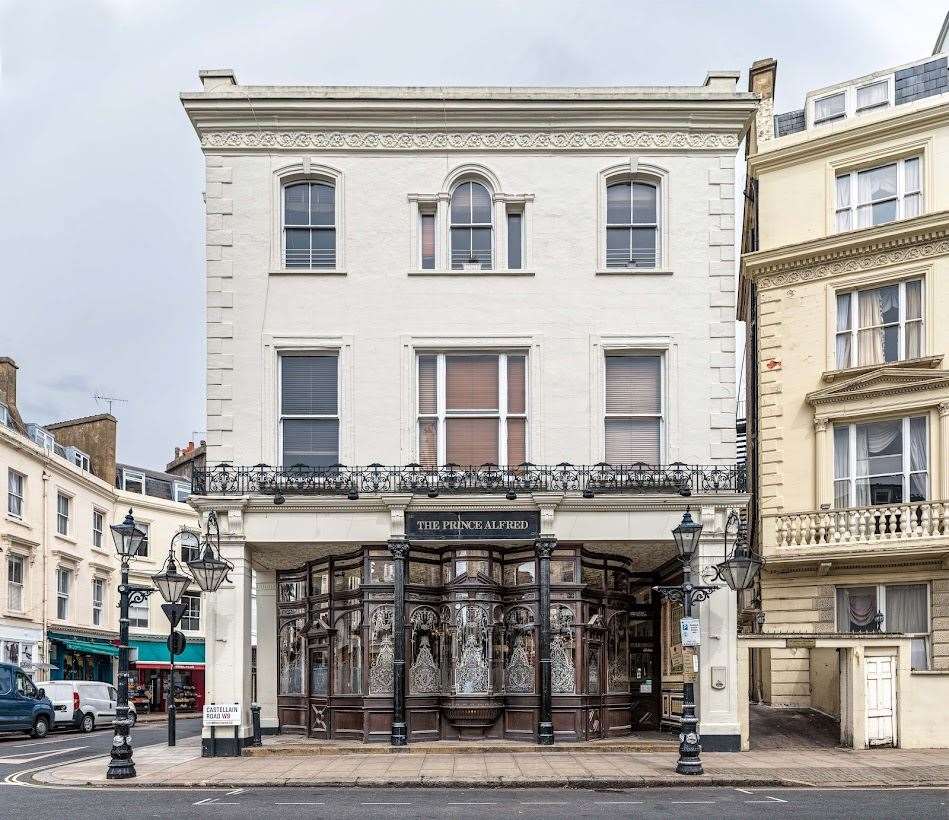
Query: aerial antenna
column 110, row 400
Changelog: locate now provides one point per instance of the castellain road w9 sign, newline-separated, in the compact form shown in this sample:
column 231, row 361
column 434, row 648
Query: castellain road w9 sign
column 465, row 526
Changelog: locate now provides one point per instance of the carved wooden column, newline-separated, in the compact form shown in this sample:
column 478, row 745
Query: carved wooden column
column 545, row 728
column 399, row 548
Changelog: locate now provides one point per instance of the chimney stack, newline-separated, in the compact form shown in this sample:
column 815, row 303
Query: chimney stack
column 8, row 370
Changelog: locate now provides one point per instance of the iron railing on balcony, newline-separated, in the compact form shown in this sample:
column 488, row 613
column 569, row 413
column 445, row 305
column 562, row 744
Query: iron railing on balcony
column 450, row 479
column 869, row 525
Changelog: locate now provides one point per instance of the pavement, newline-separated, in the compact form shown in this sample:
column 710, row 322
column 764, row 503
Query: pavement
column 531, row 767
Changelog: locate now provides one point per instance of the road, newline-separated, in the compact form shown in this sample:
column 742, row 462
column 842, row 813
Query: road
column 18, row 754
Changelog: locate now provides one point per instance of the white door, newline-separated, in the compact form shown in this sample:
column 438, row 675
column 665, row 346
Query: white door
column 881, row 684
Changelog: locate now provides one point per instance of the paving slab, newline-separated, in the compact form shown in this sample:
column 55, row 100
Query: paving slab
column 838, row 768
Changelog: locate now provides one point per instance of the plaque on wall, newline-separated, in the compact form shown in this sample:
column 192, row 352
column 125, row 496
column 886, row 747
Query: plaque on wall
column 466, row 526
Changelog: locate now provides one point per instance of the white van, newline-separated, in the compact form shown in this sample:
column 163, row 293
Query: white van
column 82, row 704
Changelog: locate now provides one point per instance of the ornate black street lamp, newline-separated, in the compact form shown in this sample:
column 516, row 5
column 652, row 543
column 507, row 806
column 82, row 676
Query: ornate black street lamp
column 172, row 585
column 128, row 538
column 739, row 571
column 210, row 568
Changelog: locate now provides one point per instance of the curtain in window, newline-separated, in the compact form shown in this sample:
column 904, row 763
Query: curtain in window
column 872, row 95
column 844, row 222
column 843, row 330
column 914, row 324
column 870, row 342
column 841, row 466
column 879, row 454
column 856, row 609
column 911, row 198
column 906, row 608
column 918, row 460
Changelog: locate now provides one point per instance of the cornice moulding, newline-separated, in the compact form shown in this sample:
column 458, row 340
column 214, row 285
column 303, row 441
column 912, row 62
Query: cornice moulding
column 275, row 139
column 900, row 242
column 818, row 145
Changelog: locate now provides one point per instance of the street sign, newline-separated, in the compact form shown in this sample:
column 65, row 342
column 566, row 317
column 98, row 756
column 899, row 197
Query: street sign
column 690, row 631
column 176, row 643
column 174, row 613
column 222, row 714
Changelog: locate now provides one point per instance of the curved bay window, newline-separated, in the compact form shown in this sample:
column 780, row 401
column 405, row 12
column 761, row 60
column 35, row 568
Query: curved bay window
column 290, row 653
column 347, row 654
column 520, row 651
column 472, row 643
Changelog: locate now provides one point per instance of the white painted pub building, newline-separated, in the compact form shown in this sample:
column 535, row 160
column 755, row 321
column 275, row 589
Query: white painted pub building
column 509, row 313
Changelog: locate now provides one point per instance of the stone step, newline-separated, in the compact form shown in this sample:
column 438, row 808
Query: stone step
column 317, row 748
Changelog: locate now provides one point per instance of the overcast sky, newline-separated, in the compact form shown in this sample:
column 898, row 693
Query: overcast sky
column 101, row 222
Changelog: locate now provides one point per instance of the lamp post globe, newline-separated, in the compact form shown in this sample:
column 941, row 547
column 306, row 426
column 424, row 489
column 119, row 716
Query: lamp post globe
column 740, row 569
column 686, row 537
column 209, row 571
column 127, row 537
column 171, row 583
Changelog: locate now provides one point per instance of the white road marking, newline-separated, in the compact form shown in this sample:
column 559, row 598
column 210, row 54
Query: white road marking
column 744, row 791
column 235, row 791
column 472, row 804
column 26, row 757
column 545, row 803
column 43, row 742
column 386, row 804
column 206, row 800
column 692, row 802
column 618, row 802
column 299, row 804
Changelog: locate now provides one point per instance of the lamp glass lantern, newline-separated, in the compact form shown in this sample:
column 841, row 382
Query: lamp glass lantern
column 687, row 536
column 171, row 583
column 128, row 538
column 209, row 571
column 741, row 568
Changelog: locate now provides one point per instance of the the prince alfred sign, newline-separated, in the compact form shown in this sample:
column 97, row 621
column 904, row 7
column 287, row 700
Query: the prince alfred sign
column 465, row 526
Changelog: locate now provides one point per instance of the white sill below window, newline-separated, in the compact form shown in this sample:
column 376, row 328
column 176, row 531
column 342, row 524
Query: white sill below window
column 16, row 519
column 307, row 272
column 478, row 272
column 633, row 272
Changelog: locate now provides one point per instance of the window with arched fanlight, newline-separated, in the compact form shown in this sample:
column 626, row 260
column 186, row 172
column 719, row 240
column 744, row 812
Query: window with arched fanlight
column 309, row 224
column 471, row 226
column 632, row 224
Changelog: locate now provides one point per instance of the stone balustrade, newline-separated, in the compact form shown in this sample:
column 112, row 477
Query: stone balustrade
column 881, row 524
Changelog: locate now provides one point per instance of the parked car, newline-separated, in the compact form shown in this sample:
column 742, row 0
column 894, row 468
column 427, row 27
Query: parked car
column 23, row 706
column 84, row 704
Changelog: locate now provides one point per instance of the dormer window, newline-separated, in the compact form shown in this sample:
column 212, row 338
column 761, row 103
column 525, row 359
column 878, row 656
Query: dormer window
column 829, row 108
column 873, row 95
column 5, row 415
column 42, row 437
column 133, row 481
column 182, row 491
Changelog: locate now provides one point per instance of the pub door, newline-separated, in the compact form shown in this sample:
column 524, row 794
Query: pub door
column 319, row 667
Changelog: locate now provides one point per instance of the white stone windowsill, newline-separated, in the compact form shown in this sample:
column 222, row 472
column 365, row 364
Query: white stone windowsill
column 308, row 272
column 16, row 615
column 18, row 521
column 633, row 272
column 452, row 272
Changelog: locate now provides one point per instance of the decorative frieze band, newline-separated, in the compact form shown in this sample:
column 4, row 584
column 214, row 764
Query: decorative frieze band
column 467, row 140
column 806, row 271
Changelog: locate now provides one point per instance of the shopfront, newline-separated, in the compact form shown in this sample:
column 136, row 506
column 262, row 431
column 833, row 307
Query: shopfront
column 76, row 657
column 474, row 639
column 151, row 676
column 22, row 646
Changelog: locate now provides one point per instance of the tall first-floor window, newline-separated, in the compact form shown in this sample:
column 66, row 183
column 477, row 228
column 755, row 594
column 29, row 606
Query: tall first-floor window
column 888, row 608
column 15, row 571
column 98, row 598
column 878, row 325
column 63, row 513
column 191, row 620
column 15, row 491
column 472, row 408
column 63, row 586
column 309, row 410
column 881, row 462
column 634, row 408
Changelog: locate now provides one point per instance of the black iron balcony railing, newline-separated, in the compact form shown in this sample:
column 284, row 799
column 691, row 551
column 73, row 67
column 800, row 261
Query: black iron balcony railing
column 450, row 479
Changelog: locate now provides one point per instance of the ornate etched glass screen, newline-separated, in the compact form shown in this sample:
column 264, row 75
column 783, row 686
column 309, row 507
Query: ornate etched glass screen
column 520, row 650
column 380, row 651
column 290, row 657
column 471, row 651
column 347, row 660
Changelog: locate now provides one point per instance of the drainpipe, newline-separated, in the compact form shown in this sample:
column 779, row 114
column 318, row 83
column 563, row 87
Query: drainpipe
column 45, row 548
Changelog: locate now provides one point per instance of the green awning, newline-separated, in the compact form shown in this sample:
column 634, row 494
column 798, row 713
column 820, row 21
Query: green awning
column 89, row 648
column 157, row 651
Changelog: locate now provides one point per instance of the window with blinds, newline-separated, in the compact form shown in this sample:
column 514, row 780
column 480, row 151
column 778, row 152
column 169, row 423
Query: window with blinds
column 309, row 410
column 633, row 409
column 472, row 409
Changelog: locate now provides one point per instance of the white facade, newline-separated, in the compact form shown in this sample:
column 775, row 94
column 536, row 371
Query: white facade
column 393, row 157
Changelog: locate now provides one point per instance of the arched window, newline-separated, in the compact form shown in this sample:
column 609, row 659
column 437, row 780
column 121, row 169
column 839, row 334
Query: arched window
column 471, row 226
column 309, row 225
column 632, row 224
